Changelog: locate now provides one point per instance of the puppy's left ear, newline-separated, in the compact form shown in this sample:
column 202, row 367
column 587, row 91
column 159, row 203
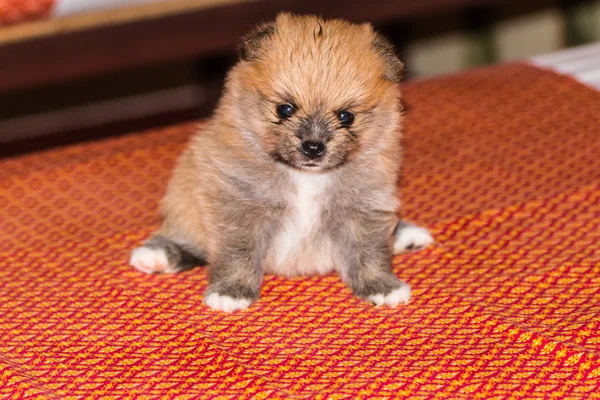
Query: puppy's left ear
column 252, row 43
column 393, row 67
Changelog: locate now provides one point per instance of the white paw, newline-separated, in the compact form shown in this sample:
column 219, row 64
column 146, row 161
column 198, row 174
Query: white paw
column 226, row 303
column 149, row 261
column 392, row 299
column 411, row 237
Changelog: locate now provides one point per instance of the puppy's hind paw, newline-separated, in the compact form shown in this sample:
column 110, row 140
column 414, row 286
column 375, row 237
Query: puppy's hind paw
column 393, row 298
column 410, row 237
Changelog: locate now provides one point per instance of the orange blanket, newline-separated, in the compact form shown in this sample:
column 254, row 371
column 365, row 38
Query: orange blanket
column 503, row 164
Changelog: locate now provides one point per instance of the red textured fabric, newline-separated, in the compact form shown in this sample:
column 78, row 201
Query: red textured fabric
column 501, row 163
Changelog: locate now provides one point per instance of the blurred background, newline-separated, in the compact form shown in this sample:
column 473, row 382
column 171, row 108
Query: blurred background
column 76, row 70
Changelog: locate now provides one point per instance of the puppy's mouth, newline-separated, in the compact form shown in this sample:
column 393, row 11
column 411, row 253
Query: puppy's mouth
column 310, row 165
column 305, row 165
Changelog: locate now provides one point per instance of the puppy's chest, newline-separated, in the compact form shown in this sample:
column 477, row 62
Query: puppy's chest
column 301, row 245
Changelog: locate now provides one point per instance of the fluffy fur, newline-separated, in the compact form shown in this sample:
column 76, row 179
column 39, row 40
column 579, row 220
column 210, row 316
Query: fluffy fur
column 247, row 199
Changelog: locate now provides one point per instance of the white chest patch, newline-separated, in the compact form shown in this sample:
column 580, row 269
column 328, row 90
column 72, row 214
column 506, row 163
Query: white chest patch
column 297, row 249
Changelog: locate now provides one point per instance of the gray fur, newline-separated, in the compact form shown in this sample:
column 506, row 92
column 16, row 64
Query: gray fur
column 361, row 230
column 251, row 44
column 358, row 216
column 249, row 213
column 182, row 256
column 394, row 68
column 366, row 256
column 315, row 127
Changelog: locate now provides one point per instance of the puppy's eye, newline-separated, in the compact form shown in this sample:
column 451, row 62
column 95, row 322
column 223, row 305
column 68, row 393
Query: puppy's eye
column 284, row 111
column 346, row 118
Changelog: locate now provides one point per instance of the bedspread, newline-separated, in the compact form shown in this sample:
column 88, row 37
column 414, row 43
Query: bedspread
column 501, row 163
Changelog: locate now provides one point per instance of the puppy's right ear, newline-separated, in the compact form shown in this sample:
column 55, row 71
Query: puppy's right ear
column 252, row 43
column 393, row 67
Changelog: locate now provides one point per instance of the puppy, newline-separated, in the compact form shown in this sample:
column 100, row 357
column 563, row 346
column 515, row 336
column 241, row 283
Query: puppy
column 296, row 172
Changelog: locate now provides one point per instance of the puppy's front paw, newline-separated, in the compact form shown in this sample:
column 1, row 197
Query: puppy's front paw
column 410, row 237
column 149, row 261
column 226, row 303
column 393, row 298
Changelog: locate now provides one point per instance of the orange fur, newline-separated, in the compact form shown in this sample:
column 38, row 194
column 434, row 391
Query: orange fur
column 247, row 195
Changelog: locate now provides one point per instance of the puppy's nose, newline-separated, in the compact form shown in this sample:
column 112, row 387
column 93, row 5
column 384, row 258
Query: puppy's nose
column 313, row 150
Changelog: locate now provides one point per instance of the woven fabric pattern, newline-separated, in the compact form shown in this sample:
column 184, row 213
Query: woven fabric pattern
column 501, row 163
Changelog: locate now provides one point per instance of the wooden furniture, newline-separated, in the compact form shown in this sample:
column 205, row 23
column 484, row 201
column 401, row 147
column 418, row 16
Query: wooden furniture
column 58, row 58
column 82, row 45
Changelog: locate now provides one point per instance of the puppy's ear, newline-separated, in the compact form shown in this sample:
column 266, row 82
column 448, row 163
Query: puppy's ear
column 252, row 43
column 394, row 68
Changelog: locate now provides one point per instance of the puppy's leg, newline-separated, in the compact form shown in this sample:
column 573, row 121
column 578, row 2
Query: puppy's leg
column 163, row 255
column 410, row 237
column 366, row 263
column 236, row 274
column 235, row 281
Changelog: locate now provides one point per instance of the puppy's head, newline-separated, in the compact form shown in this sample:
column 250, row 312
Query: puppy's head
column 314, row 94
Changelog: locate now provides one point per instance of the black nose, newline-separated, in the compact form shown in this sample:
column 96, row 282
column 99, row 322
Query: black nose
column 313, row 150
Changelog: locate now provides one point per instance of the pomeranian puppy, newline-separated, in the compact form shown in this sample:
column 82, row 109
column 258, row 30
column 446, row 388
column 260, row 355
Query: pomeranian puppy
column 296, row 173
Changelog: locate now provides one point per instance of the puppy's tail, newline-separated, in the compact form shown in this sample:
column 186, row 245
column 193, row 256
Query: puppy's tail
column 163, row 255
